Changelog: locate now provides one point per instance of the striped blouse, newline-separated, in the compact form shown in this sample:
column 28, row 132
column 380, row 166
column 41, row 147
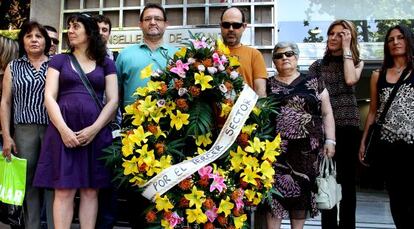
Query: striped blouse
column 28, row 88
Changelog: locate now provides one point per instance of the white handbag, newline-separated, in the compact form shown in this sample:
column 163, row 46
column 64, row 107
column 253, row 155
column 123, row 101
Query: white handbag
column 329, row 192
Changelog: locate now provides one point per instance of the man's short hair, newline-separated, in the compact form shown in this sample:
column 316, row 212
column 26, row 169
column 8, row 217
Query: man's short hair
column 153, row 6
column 233, row 7
column 50, row 28
column 102, row 18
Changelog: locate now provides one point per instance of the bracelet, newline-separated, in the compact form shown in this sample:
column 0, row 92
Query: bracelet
column 348, row 57
column 330, row 141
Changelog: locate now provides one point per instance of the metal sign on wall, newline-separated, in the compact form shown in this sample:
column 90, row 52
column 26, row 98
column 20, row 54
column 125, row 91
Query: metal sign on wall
column 122, row 38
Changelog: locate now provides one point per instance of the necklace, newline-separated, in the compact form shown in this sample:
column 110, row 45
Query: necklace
column 399, row 70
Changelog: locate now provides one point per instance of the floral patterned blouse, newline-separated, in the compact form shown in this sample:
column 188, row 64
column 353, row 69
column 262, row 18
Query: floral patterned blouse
column 399, row 122
column 299, row 123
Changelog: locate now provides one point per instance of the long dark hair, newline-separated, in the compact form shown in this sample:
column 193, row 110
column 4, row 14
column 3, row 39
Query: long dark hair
column 96, row 47
column 26, row 28
column 408, row 38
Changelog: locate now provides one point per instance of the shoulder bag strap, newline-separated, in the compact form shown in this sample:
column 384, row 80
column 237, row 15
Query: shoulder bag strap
column 85, row 80
column 392, row 95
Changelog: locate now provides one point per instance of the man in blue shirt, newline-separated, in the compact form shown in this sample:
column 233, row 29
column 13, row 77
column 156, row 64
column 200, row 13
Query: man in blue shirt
column 129, row 63
column 131, row 60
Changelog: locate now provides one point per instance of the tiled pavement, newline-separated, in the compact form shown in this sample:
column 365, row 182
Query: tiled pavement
column 372, row 213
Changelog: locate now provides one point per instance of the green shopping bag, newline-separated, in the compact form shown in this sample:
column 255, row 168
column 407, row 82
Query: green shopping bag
column 12, row 180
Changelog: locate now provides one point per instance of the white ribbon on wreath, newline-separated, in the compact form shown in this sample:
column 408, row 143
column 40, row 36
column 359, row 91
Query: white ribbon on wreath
column 173, row 175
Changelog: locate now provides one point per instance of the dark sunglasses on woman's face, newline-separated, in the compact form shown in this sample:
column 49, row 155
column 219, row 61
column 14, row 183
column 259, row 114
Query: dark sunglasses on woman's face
column 235, row 25
column 54, row 41
column 279, row 55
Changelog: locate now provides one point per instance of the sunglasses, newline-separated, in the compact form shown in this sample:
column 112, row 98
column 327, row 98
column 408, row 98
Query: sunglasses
column 54, row 41
column 279, row 55
column 235, row 25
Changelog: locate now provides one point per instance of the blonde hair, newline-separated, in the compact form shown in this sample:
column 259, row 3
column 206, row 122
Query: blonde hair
column 9, row 50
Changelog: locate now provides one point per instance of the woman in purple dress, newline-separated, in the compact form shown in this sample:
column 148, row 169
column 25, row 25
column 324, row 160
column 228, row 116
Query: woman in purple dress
column 78, row 130
column 307, row 128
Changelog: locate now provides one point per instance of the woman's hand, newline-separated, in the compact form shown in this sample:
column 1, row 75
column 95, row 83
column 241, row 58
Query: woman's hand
column 361, row 154
column 346, row 39
column 329, row 149
column 69, row 138
column 86, row 135
column 9, row 147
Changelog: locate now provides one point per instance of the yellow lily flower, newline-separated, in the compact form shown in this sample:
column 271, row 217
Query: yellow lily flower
column 195, row 197
column 200, row 151
column 127, row 146
column 181, row 52
column 138, row 119
column 139, row 135
column 221, row 47
column 130, row 166
column 257, row 199
column 272, row 149
column 234, row 61
column 267, row 169
column 179, row 120
column 170, row 106
column 196, row 215
column 225, row 109
column 131, row 109
column 251, row 161
column 137, row 180
column 154, row 85
column 157, row 114
column 159, row 133
column 146, row 156
column 163, row 203
column 166, row 224
column 257, row 110
column 268, row 182
column 154, row 167
column 146, row 72
column 165, row 161
column 255, row 146
column 239, row 221
column 203, row 80
column 141, row 91
column 237, row 159
column 147, row 106
column 204, row 140
column 225, row 206
column 249, row 175
column 248, row 129
column 249, row 194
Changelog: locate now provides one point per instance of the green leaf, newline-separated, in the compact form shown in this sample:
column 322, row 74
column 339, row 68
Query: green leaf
column 201, row 118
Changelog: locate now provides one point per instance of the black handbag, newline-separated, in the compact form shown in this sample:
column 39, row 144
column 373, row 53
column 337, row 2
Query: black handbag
column 116, row 128
column 372, row 142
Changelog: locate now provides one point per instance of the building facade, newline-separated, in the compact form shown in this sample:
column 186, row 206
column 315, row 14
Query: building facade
column 302, row 21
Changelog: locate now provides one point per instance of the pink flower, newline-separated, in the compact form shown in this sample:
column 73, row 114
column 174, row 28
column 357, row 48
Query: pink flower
column 218, row 183
column 211, row 214
column 205, row 171
column 217, row 60
column 239, row 201
column 223, row 59
column 175, row 219
column 180, row 68
column 198, row 44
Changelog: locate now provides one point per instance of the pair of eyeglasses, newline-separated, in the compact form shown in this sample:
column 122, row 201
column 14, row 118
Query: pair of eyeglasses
column 156, row 19
column 279, row 55
column 235, row 25
column 54, row 41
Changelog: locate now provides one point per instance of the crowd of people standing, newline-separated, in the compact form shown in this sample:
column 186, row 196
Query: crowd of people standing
column 49, row 117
